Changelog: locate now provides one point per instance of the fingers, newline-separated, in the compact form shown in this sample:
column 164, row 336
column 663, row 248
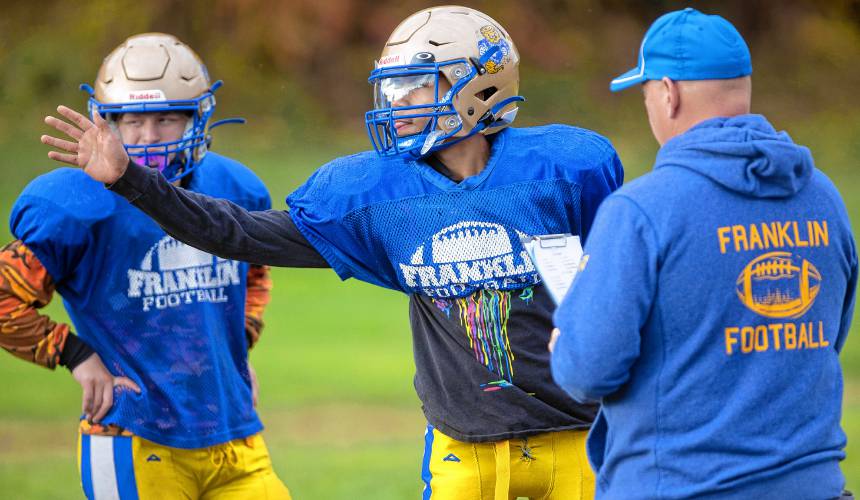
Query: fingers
column 66, row 128
column 73, row 116
column 87, row 400
column 99, row 121
column 105, row 404
column 126, row 382
column 98, row 397
column 63, row 157
column 65, row 145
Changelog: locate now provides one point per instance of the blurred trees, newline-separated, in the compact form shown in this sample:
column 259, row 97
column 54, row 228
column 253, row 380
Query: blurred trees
column 302, row 65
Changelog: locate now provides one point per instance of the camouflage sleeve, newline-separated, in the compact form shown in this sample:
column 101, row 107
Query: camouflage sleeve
column 256, row 300
column 25, row 286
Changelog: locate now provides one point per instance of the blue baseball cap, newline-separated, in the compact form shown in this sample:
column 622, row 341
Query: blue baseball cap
column 688, row 45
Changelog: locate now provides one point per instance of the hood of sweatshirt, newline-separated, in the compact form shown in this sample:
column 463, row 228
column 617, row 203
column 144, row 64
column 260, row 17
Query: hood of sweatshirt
column 742, row 153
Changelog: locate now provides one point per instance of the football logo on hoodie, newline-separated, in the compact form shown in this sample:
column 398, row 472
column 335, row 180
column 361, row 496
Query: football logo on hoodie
column 779, row 285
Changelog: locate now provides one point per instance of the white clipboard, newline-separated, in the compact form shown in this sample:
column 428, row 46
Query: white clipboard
column 556, row 258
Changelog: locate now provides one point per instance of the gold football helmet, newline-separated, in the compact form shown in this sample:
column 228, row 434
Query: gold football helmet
column 465, row 47
column 155, row 72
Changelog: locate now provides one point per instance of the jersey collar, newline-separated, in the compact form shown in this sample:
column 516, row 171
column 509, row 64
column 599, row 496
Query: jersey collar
column 441, row 181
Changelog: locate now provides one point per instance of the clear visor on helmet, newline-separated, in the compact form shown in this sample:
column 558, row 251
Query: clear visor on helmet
column 387, row 91
column 404, row 121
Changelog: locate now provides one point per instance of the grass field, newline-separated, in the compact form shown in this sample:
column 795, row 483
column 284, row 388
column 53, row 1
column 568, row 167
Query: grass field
column 335, row 369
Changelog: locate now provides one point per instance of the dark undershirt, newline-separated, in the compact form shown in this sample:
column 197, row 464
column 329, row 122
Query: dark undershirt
column 440, row 167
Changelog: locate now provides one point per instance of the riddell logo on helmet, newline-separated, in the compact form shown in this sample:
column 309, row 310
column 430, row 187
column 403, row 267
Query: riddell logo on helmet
column 391, row 60
column 146, row 95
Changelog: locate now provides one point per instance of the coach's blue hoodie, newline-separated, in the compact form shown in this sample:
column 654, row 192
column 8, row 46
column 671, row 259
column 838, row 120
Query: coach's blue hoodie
column 709, row 317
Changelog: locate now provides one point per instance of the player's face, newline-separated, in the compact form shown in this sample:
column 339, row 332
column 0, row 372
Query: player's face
column 151, row 128
column 425, row 94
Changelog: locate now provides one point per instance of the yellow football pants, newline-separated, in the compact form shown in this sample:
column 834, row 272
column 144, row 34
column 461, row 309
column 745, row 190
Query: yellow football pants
column 130, row 468
column 550, row 466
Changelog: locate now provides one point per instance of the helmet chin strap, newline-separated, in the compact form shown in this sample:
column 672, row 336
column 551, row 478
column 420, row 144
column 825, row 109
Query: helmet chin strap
column 430, row 141
column 487, row 122
column 505, row 119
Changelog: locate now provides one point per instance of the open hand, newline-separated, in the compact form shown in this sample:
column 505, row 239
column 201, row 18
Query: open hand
column 98, row 383
column 96, row 147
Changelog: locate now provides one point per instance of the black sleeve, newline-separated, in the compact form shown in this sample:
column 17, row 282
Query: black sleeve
column 217, row 226
column 75, row 352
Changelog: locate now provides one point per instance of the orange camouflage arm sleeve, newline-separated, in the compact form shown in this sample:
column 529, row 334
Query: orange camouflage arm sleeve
column 256, row 300
column 25, row 286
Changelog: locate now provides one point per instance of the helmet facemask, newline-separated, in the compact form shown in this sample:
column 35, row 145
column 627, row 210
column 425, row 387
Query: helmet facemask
column 392, row 84
column 175, row 159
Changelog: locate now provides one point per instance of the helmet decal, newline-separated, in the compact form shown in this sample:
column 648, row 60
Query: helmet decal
column 493, row 41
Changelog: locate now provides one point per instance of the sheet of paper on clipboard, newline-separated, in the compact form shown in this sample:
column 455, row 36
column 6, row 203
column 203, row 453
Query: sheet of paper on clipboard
column 556, row 258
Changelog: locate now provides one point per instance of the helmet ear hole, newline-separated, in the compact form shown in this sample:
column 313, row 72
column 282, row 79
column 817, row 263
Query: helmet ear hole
column 486, row 94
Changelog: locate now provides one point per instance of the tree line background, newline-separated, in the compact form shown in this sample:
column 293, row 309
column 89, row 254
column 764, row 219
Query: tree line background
column 297, row 69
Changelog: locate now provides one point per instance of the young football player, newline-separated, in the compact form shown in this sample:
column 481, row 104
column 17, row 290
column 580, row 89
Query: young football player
column 163, row 328
column 437, row 212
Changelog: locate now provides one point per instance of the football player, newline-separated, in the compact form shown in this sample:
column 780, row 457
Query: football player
column 437, row 212
column 163, row 328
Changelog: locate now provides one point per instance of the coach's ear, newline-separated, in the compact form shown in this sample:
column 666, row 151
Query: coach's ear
column 671, row 97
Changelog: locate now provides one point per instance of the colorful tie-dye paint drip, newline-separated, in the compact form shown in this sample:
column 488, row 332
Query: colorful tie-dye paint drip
column 484, row 315
column 443, row 305
column 527, row 295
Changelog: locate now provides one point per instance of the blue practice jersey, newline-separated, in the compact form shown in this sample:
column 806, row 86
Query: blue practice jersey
column 480, row 318
column 403, row 225
column 162, row 313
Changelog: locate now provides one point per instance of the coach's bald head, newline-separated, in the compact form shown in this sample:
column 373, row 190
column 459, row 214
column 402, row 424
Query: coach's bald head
column 692, row 66
column 673, row 107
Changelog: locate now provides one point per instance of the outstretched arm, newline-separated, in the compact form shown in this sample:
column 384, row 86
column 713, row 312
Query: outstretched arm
column 217, row 226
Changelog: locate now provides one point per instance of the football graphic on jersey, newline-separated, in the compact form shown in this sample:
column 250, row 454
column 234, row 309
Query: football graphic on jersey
column 470, row 241
column 778, row 285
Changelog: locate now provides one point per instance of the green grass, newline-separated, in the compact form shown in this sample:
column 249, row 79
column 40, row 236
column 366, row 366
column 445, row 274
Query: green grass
column 335, row 368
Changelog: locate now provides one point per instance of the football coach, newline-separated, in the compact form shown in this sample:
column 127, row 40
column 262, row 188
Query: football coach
column 716, row 294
